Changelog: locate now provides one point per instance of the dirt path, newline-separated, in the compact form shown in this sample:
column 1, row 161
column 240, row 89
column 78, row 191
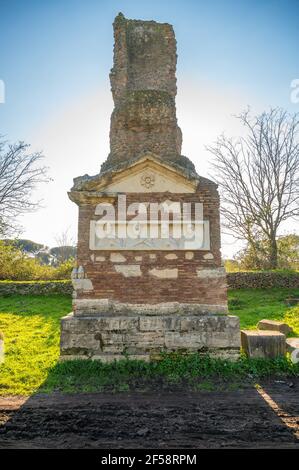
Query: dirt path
column 248, row 418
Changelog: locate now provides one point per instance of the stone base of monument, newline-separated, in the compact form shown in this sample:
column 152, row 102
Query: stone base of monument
column 144, row 336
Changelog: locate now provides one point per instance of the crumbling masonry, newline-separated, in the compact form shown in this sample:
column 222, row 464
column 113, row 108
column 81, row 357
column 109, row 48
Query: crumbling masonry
column 140, row 297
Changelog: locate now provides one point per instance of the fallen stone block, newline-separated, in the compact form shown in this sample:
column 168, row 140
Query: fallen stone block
column 292, row 344
column 273, row 325
column 263, row 344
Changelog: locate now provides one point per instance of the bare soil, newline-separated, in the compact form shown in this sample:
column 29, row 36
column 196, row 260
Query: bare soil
column 249, row 418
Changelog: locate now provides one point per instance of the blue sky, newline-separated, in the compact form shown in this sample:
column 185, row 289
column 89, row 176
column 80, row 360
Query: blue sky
column 55, row 55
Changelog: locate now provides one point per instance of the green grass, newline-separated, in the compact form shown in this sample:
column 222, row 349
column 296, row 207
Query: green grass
column 31, row 326
column 173, row 369
column 252, row 305
column 31, row 332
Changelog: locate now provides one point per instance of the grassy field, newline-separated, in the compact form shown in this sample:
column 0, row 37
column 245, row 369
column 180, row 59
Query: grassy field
column 31, row 327
column 252, row 305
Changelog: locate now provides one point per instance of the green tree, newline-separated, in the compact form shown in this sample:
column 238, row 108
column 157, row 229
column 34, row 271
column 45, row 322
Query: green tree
column 28, row 246
column 256, row 257
column 288, row 251
column 16, row 265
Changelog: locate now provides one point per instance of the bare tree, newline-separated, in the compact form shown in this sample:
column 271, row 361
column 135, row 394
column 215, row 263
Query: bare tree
column 20, row 172
column 258, row 177
column 65, row 248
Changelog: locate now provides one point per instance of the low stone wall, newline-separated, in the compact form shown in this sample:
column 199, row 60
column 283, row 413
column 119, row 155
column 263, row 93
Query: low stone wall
column 253, row 280
column 35, row 287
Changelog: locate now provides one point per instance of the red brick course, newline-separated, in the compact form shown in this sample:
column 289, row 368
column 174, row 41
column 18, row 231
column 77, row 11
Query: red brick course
column 187, row 288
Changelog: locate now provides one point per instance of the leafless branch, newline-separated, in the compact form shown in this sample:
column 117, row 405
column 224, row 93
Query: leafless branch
column 20, row 173
column 258, row 176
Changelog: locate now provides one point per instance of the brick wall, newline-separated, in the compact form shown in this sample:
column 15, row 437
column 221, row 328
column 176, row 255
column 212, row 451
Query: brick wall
column 147, row 287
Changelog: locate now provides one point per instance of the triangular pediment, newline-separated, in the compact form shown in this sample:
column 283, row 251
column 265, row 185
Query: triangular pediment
column 147, row 175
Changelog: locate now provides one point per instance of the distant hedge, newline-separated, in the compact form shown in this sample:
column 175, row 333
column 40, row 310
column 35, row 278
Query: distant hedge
column 253, row 280
column 238, row 280
column 35, row 287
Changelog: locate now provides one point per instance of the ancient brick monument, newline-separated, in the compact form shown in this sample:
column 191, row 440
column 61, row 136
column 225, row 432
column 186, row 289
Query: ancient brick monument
column 142, row 286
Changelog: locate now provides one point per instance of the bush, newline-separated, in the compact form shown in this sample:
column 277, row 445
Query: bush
column 16, row 265
column 256, row 257
column 63, row 270
column 292, row 317
column 263, row 279
column 10, row 288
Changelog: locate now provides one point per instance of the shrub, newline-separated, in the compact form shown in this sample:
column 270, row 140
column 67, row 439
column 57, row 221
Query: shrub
column 11, row 288
column 262, row 279
column 16, row 265
column 292, row 317
column 64, row 270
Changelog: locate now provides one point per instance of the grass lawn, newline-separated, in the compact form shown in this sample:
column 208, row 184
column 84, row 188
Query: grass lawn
column 252, row 305
column 31, row 333
column 31, row 326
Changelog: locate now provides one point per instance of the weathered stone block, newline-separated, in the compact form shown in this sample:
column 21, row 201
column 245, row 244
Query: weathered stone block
column 292, row 344
column 150, row 324
column 91, row 306
column 193, row 323
column 273, row 325
column 264, row 344
column 171, row 256
column 170, row 273
column 82, row 284
column 220, row 339
column 117, row 324
column 117, row 258
column 233, row 322
column 172, row 323
column 129, row 270
column 103, row 336
column 208, row 256
column 142, row 343
column 185, row 341
column 110, row 343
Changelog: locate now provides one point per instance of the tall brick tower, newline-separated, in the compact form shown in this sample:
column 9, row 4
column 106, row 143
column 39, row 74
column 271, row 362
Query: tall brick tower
column 143, row 86
column 139, row 293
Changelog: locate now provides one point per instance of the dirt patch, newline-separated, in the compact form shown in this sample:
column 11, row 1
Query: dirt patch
column 266, row 418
